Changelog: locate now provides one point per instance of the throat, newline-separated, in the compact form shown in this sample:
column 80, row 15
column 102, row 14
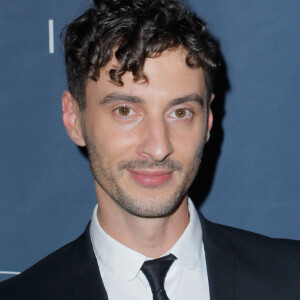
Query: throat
column 151, row 237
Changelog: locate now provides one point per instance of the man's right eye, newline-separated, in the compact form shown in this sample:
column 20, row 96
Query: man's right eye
column 124, row 111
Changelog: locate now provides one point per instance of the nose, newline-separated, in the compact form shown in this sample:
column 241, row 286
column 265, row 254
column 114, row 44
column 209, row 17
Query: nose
column 156, row 144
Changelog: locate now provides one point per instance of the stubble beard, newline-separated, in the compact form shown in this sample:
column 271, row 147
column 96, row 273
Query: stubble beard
column 155, row 207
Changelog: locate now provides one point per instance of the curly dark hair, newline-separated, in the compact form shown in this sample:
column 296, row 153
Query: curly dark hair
column 134, row 30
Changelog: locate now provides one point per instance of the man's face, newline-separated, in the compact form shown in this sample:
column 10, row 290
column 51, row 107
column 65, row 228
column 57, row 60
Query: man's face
column 145, row 140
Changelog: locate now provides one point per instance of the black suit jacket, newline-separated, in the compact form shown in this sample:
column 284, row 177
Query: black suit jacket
column 240, row 265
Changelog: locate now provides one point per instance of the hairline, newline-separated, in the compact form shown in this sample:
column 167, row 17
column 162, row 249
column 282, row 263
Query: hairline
column 155, row 55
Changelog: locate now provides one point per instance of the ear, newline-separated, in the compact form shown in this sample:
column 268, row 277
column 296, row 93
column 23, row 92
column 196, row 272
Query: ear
column 71, row 119
column 210, row 118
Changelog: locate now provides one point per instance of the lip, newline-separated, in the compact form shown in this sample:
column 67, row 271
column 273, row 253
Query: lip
column 150, row 178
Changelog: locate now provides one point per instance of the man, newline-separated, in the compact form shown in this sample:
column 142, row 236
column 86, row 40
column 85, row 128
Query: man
column 140, row 76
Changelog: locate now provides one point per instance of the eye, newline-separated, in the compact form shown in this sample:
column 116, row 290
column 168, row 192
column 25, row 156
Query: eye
column 181, row 113
column 124, row 111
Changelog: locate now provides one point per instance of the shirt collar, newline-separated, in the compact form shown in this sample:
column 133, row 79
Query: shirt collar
column 125, row 263
column 187, row 249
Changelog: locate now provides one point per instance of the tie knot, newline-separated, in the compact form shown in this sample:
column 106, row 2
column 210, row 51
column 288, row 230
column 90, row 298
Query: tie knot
column 155, row 271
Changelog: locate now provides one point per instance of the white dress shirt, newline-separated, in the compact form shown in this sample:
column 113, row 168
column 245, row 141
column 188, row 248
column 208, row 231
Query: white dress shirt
column 120, row 266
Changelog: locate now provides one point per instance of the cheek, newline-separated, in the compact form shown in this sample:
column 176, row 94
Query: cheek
column 187, row 147
column 190, row 136
column 114, row 143
column 189, row 144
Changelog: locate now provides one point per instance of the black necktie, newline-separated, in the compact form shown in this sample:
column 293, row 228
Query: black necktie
column 156, row 270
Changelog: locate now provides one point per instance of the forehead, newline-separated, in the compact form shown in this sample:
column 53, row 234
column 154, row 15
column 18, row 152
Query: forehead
column 168, row 77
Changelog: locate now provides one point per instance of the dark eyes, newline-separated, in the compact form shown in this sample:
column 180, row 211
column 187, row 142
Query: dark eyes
column 125, row 111
column 180, row 113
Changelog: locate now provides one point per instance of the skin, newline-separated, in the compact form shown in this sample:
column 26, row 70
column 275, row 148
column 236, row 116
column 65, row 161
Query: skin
column 145, row 142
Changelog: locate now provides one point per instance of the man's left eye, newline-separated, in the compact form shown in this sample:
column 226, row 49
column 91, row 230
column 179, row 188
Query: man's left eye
column 181, row 113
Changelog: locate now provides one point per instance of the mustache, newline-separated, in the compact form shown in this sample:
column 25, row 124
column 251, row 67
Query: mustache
column 170, row 164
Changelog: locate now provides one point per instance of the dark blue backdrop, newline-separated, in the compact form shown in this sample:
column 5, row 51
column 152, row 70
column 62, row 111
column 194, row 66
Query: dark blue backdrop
column 46, row 190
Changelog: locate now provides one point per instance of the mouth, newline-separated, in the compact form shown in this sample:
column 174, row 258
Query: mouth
column 151, row 178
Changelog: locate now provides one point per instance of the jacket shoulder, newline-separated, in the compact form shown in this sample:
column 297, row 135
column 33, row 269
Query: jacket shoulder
column 268, row 265
column 52, row 274
column 239, row 238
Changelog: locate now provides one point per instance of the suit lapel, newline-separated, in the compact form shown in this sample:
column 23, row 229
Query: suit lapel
column 88, row 286
column 220, row 262
column 86, row 280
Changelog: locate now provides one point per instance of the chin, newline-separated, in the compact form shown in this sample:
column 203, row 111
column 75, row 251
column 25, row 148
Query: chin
column 154, row 206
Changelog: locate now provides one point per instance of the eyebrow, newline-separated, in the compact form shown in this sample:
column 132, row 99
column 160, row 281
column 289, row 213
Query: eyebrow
column 188, row 98
column 116, row 97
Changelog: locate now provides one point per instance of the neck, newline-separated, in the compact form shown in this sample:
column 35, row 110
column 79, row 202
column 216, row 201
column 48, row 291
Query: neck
column 151, row 237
